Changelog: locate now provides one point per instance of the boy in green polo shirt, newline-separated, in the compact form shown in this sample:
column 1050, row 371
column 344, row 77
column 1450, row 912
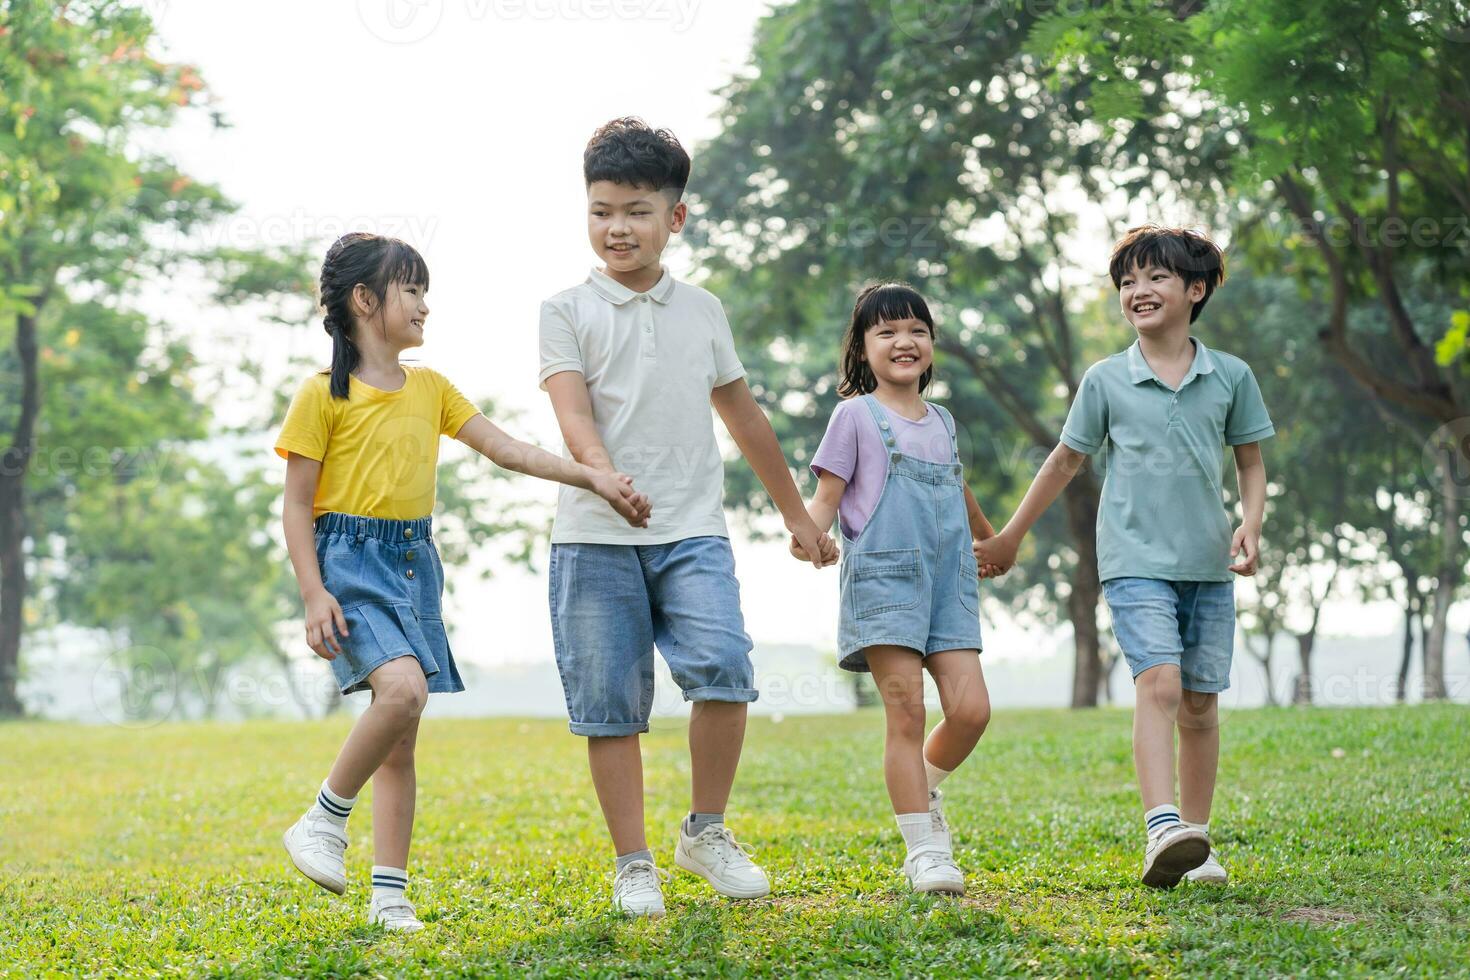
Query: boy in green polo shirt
column 1159, row 413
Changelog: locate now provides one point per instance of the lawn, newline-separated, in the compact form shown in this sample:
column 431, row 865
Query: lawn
column 157, row 852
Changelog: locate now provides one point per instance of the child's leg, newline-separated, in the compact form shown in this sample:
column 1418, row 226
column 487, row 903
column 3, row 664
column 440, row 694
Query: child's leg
column 966, row 705
column 716, row 734
column 1158, row 699
column 400, row 692
column 1199, row 754
column 395, row 791
column 617, row 774
column 899, row 675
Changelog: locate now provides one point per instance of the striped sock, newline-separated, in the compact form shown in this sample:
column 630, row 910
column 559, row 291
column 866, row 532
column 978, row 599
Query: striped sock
column 388, row 882
column 335, row 808
column 1161, row 817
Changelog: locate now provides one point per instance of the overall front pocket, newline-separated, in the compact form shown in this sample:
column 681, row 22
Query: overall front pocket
column 884, row 581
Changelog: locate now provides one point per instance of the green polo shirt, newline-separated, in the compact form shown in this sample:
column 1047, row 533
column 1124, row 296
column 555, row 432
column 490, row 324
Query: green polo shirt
column 1163, row 510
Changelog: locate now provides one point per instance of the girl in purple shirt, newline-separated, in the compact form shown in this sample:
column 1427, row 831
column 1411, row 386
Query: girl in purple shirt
column 889, row 469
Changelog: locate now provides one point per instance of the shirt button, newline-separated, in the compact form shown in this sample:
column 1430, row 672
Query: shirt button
column 409, row 573
column 408, row 532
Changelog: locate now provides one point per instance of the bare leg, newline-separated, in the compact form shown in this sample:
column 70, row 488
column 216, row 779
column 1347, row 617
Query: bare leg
column 400, row 692
column 395, row 790
column 716, row 734
column 617, row 773
column 1199, row 754
column 1158, row 696
column 899, row 675
column 966, row 705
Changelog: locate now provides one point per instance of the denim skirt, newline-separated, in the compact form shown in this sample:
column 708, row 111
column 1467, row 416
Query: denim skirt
column 386, row 576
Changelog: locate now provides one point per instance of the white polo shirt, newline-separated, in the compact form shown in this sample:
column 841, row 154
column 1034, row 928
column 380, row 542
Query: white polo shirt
column 650, row 361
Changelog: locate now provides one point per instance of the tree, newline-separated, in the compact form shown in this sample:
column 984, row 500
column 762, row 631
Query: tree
column 1351, row 116
column 864, row 142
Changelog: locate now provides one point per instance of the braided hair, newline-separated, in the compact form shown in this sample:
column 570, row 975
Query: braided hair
column 361, row 258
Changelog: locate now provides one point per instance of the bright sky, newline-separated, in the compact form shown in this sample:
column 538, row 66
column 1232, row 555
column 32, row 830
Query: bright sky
column 459, row 126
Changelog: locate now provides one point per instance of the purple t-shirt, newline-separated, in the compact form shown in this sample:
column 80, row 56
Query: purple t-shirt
column 853, row 450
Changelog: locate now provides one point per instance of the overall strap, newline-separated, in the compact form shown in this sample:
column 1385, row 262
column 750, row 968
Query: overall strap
column 949, row 424
column 885, row 428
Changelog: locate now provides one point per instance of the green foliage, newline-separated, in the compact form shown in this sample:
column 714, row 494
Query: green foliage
column 1343, row 836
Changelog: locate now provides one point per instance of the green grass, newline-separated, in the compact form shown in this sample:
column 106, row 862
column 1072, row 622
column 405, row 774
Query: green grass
column 158, row 852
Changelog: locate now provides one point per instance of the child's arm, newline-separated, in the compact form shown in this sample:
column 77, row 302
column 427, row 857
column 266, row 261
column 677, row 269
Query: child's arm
column 487, row 439
column 1051, row 480
column 980, row 530
column 753, row 434
column 823, row 510
column 1250, row 477
column 322, row 611
column 573, row 408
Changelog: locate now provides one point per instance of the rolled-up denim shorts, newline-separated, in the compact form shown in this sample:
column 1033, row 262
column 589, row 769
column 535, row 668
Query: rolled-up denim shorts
column 1188, row 624
column 386, row 576
column 611, row 604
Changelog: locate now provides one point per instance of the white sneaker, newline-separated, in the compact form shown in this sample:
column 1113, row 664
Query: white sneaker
column 317, row 848
column 1173, row 852
column 931, row 868
column 716, row 857
column 1212, row 872
column 394, row 913
column 937, row 823
column 638, row 889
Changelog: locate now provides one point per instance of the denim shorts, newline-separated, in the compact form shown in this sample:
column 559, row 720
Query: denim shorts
column 1188, row 624
column 612, row 603
column 386, row 576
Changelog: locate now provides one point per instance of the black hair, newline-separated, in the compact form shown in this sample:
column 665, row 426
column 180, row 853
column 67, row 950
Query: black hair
column 877, row 302
column 628, row 151
column 1188, row 254
column 374, row 261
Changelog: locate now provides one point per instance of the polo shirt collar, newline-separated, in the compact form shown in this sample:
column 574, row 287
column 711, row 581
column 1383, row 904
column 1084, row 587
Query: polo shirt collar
column 1139, row 371
column 618, row 294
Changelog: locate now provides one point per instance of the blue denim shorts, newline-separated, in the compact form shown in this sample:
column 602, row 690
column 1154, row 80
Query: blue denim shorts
column 1188, row 624
column 386, row 576
column 894, row 598
column 612, row 603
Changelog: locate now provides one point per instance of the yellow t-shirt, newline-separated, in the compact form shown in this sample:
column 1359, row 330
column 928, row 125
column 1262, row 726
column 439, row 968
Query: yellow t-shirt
column 378, row 449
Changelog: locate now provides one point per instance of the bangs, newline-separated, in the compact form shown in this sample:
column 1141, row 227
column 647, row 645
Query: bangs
column 402, row 263
column 890, row 301
column 1191, row 257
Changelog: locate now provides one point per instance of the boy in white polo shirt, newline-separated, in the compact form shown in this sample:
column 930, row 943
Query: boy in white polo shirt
column 633, row 360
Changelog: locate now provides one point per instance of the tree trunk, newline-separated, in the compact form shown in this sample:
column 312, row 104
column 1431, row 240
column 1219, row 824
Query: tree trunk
column 14, row 463
column 1302, row 691
column 1411, row 613
column 1448, row 577
column 1265, row 662
column 1087, row 676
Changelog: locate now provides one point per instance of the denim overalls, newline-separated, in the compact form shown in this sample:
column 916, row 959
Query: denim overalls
column 910, row 577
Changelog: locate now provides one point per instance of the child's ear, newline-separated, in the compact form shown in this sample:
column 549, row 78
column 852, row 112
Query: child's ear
column 677, row 218
column 1196, row 291
column 363, row 300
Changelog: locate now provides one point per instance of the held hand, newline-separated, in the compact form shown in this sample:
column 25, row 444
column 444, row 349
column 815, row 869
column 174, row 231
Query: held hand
column 1246, row 545
column 617, row 490
column 997, row 554
column 324, row 620
column 807, row 540
column 828, row 546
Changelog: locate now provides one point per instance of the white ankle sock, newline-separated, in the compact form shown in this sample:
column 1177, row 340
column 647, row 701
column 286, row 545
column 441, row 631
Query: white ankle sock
column 389, row 882
column 335, row 808
column 1203, row 828
column 936, row 775
column 916, row 829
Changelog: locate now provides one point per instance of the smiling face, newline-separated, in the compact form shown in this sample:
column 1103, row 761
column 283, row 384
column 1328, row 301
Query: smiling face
column 405, row 308
column 629, row 227
column 899, row 351
column 1156, row 300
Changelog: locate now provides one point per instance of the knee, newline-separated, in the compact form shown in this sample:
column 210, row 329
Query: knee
column 1199, row 711
column 402, row 692
column 970, row 716
column 1162, row 689
column 906, row 721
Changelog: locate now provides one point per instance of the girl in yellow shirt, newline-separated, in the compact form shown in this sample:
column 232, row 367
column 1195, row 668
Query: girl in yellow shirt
column 361, row 444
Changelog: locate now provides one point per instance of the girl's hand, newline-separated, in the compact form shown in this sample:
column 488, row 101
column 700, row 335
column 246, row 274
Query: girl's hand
column 617, row 490
column 324, row 620
column 998, row 554
column 827, row 548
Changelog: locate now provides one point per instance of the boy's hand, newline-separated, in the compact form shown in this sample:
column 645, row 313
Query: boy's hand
column 998, row 554
column 812, row 541
column 829, row 553
column 324, row 620
column 1246, row 545
column 617, row 490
